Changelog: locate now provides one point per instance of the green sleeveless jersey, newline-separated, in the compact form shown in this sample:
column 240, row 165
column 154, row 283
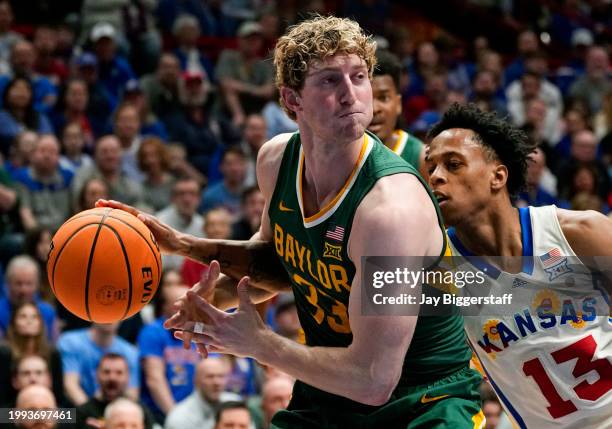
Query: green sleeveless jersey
column 314, row 251
column 408, row 147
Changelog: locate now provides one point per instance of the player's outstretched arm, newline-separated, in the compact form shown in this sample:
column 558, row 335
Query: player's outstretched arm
column 397, row 218
column 255, row 258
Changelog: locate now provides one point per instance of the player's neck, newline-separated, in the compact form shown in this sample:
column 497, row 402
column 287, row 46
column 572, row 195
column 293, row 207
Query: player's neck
column 494, row 231
column 327, row 166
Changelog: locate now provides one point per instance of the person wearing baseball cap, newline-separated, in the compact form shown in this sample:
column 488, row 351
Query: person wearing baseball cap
column 245, row 78
column 113, row 70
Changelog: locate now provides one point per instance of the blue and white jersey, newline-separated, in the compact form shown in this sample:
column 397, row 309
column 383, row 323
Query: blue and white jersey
column 549, row 354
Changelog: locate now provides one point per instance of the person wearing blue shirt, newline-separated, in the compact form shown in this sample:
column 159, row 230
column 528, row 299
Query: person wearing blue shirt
column 23, row 57
column 18, row 113
column 81, row 351
column 168, row 369
column 113, row 70
column 22, row 285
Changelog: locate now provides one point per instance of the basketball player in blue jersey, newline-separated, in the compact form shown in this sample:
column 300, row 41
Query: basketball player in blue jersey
column 551, row 362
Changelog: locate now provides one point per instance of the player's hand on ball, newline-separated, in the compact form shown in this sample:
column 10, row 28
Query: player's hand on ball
column 238, row 333
column 168, row 239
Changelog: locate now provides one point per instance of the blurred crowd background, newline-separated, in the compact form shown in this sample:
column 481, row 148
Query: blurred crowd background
column 164, row 104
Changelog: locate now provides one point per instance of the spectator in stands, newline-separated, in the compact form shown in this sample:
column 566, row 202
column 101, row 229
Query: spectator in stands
column 18, row 113
column 11, row 236
column 254, row 136
column 252, row 206
column 433, row 98
column 198, row 409
column 141, row 33
column 27, row 370
column 526, row 44
column 233, row 415
column 168, row 369
column 107, row 166
column 426, row 63
column 596, row 81
column 245, row 78
column 34, row 398
column 491, row 61
column 179, row 166
column 533, row 85
column 26, row 337
column 47, row 63
column 113, row 375
column 536, row 195
column 127, row 129
column 72, row 107
column 36, row 244
column 153, row 161
column 93, row 190
column 81, row 352
column 101, row 101
column 194, row 126
column 217, row 226
column 73, row 145
column 585, row 183
column 7, row 37
column 277, row 121
column 44, row 94
column 226, row 193
column 286, row 319
column 182, row 215
column 23, row 285
column 574, row 120
column 186, row 30
column 583, row 152
column 275, row 395
column 602, row 123
column 492, row 410
column 113, row 70
column 484, row 94
column 161, row 88
column 20, row 151
column 123, row 413
column 44, row 187
column 149, row 124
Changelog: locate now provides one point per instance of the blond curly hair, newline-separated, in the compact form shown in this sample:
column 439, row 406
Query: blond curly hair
column 315, row 40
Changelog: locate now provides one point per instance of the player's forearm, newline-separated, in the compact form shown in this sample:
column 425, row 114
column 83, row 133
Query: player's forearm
column 160, row 392
column 338, row 370
column 74, row 392
column 253, row 258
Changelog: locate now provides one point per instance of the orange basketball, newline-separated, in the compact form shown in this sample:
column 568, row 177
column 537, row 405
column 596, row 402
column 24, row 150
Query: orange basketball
column 104, row 265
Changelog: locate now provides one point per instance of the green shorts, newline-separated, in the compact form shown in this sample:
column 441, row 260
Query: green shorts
column 451, row 402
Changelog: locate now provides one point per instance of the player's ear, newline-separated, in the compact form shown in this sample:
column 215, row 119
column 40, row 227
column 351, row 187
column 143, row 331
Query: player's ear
column 291, row 99
column 500, row 177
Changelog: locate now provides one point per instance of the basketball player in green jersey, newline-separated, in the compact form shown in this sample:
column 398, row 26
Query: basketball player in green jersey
column 388, row 109
column 334, row 194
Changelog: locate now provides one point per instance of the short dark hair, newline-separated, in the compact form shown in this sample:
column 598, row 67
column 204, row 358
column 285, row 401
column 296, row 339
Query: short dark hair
column 248, row 192
column 236, row 150
column 112, row 356
column 508, row 144
column 229, row 405
column 388, row 64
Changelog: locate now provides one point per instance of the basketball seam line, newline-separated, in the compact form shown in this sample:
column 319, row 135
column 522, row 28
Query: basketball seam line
column 91, row 253
column 129, row 271
column 146, row 241
column 59, row 253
